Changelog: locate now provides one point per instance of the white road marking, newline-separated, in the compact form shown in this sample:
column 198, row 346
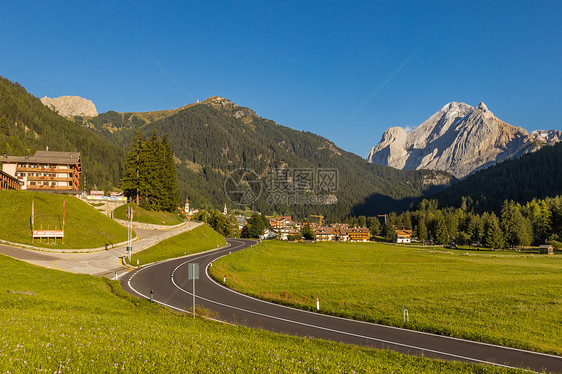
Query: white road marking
column 324, row 315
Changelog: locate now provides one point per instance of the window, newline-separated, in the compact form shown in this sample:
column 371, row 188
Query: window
column 32, row 183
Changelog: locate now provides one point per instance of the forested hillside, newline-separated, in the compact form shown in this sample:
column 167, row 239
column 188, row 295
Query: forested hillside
column 26, row 125
column 536, row 175
column 215, row 137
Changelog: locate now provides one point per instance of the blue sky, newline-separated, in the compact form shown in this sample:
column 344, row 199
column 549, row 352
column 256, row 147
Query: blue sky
column 345, row 70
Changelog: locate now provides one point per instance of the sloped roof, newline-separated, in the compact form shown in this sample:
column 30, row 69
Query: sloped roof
column 47, row 157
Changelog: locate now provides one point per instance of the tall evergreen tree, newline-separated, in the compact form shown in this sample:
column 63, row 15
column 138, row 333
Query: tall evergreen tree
column 441, row 232
column 493, row 237
column 170, row 196
column 422, row 230
column 131, row 180
column 150, row 173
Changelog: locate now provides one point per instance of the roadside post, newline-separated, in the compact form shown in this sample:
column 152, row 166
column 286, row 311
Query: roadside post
column 192, row 274
column 151, row 296
column 317, row 303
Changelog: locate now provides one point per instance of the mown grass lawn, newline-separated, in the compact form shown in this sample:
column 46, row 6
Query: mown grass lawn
column 508, row 299
column 85, row 227
column 79, row 323
column 201, row 238
column 148, row 216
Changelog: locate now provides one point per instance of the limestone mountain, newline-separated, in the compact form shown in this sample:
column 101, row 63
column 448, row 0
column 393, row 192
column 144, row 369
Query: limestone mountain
column 459, row 139
column 70, row 106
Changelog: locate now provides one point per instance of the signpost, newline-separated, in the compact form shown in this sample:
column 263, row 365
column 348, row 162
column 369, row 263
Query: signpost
column 130, row 231
column 54, row 233
column 193, row 273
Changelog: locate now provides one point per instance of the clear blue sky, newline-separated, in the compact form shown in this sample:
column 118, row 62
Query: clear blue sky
column 308, row 65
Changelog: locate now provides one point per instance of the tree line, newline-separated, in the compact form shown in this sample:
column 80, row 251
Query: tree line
column 150, row 173
column 535, row 223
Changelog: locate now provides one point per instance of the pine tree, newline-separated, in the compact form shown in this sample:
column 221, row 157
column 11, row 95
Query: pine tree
column 517, row 229
column 493, row 237
column 422, row 230
column 374, row 225
column 441, row 233
column 170, row 196
column 307, row 232
column 131, row 180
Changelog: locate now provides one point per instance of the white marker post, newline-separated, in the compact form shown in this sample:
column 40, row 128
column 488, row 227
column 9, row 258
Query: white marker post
column 317, row 303
column 224, row 279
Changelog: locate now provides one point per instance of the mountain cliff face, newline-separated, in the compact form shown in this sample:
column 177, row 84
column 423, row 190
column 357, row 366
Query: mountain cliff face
column 70, row 106
column 458, row 139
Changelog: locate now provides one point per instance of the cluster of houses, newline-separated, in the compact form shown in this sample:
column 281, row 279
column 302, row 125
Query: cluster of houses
column 284, row 227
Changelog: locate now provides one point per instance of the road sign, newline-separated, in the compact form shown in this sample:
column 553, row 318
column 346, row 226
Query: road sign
column 193, row 274
column 192, row 271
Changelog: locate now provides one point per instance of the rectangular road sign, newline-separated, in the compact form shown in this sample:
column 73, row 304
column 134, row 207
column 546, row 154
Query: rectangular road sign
column 192, row 271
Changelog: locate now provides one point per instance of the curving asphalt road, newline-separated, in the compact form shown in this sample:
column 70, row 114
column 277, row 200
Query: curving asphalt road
column 168, row 281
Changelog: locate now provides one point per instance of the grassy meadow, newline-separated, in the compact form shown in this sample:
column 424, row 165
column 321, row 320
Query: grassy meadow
column 201, row 238
column 85, row 227
column 148, row 216
column 60, row 322
column 504, row 298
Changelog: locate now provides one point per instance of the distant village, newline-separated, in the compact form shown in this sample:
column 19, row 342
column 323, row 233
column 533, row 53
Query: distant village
column 60, row 171
column 285, row 228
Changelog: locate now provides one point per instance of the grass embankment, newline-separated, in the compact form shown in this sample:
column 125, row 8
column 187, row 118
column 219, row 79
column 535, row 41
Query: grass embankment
column 85, row 227
column 507, row 299
column 201, row 238
column 148, row 216
column 80, row 323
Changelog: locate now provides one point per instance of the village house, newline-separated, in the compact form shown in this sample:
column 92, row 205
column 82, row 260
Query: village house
column 403, row 236
column 325, row 234
column 358, row 234
column 45, row 171
column 283, row 226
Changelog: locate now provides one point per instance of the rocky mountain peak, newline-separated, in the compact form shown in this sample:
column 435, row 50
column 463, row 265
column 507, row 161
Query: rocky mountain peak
column 234, row 109
column 481, row 106
column 458, row 139
column 70, row 106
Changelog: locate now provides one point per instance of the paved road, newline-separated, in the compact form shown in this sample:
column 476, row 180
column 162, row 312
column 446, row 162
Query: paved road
column 101, row 263
column 168, row 281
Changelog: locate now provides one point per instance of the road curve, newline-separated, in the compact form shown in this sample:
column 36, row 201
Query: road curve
column 168, row 281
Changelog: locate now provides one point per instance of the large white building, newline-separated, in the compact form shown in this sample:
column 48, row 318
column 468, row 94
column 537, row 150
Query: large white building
column 45, row 170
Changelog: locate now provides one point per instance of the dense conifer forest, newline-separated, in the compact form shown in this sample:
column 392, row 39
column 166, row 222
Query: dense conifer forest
column 210, row 141
column 534, row 175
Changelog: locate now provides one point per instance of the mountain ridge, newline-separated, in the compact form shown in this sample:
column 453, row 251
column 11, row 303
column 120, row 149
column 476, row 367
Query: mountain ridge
column 216, row 136
column 458, row 138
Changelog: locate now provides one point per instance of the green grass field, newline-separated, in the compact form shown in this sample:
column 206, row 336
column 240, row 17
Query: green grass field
column 148, row 216
column 201, row 238
column 80, row 323
column 503, row 298
column 85, row 227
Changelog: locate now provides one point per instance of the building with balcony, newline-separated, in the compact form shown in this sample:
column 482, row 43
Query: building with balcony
column 8, row 182
column 45, row 170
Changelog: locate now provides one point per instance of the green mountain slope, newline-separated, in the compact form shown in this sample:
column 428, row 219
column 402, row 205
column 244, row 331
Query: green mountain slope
column 535, row 175
column 216, row 137
column 26, row 125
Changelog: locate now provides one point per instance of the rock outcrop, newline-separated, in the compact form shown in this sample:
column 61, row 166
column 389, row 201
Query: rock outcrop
column 70, row 106
column 458, row 139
